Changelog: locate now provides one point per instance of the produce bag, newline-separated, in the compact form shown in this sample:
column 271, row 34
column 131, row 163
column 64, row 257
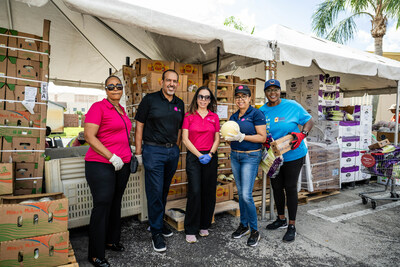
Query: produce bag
column 270, row 163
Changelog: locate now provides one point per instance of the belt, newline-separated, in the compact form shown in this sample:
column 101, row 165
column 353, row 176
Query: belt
column 248, row 151
column 167, row 145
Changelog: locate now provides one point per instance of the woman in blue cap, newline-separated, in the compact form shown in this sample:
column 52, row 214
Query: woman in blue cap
column 245, row 158
column 283, row 117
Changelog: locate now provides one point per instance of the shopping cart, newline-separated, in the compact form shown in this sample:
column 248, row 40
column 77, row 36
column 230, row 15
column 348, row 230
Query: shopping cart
column 381, row 164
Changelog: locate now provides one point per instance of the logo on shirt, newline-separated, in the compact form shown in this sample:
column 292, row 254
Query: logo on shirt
column 277, row 119
column 211, row 120
column 177, row 109
column 243, row 119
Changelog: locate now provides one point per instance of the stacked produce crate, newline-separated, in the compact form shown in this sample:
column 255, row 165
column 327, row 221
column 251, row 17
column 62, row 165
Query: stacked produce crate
column 24, row 72
column 34, row 230
column 144, row 77
column 319, row 95
column 226, row 189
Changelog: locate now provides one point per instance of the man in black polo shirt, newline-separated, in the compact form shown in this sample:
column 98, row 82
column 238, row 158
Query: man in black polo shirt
column 158, row 122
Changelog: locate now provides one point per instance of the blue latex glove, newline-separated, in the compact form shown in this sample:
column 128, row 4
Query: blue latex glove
column 205, row 159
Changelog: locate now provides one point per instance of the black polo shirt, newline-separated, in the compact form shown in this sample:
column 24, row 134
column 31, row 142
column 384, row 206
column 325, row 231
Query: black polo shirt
column 162, row 119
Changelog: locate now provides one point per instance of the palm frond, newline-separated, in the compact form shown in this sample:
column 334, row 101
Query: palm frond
column 326, row 15
column 392, row 9
column 360, row 5
column 343, row 31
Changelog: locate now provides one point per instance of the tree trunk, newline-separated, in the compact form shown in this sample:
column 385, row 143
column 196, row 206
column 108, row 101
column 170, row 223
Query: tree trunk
column 378, row 46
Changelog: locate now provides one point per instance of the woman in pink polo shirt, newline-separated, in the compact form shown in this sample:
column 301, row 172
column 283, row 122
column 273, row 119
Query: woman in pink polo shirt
column 201, row 137
column 107, row 170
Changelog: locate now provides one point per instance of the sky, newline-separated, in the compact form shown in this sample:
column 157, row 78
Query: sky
column 295, row 14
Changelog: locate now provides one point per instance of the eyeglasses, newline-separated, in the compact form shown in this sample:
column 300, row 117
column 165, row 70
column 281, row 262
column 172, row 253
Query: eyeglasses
column 243, row 97
column 203, row 97
column 270, row 90
column 111, row 87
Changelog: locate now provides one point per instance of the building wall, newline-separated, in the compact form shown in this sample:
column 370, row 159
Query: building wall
column 75, row 102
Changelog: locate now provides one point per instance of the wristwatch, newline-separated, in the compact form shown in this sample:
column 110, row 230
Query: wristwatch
column 212, row 154
column 305, row 133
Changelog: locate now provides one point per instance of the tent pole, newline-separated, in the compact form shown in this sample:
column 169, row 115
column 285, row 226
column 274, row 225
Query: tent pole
column 83, row 35
column 217, row 72
column 396, row 131
column 10, row 20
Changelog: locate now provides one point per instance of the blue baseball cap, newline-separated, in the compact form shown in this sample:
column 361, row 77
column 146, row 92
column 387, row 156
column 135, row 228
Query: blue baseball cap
column 271, row 83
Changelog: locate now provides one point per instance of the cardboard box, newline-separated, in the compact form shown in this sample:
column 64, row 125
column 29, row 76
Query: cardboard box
column 224, row 192
column 295, row 97
column 21, row 220
column 30, row 45
column 28, row 186
column 6, row 178
column 25, row 69
column 313, row 83
column 176, row 179
column 282, row 145
column 24, row 118
column 144, row 66
column 47, row 250
column 193, row 84
column 294, row 86
column 32, row 145
column 29, row 169
column 150, row 81
column 3, row 68
column 3, row 88
column 17, row 93
column 3, row 42
column 177, row 192
column 189, row 97
column 12, row 43
column 193, row 71
column 386, row 135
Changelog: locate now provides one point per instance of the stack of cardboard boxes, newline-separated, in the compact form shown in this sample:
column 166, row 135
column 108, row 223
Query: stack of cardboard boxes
column 34, row 230
column 24, row 71
column 145, row 76
column 318, row 94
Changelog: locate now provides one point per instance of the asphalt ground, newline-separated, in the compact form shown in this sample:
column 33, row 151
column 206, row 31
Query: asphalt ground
column 333, row 231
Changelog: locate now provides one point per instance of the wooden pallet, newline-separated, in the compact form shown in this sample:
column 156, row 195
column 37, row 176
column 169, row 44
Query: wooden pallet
column 318, row 195
column 229, row 206
column 71, row 258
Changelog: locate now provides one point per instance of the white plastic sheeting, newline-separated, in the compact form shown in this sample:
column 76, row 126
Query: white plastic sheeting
column 115, row 29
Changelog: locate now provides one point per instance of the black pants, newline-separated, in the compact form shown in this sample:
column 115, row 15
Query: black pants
column 202, row 186
column 286, row 181
column 107, row 187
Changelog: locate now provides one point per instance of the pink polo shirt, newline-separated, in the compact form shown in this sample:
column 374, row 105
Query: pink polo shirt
column 112, row 133
column 201, row 131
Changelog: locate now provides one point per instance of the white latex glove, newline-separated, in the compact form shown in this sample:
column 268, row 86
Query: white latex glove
column 238, row 137
column 117, row 162
column 139, row 159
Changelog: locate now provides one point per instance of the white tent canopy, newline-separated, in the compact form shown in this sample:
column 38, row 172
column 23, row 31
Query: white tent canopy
column 89, row 36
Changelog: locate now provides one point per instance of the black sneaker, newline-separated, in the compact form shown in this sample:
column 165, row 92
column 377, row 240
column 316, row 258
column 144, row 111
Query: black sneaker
column 241, row 231
column 254, row 238
column 166, row 231
column 290, row 234
column 278, row 223
column 99, row 262
column 158, row 243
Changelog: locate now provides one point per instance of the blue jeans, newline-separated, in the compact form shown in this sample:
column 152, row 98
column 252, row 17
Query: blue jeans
column 160, row 164
column 245, row 169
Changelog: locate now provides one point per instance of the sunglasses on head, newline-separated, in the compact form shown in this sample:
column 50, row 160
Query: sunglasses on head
column 203, row 97
column 111, row 87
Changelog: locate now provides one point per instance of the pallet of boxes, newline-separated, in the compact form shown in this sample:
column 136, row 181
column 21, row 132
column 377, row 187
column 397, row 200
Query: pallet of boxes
column 33, row 226
column 338, row 135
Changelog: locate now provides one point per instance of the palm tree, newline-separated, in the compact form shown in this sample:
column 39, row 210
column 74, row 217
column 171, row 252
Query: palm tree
column 378, row 10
